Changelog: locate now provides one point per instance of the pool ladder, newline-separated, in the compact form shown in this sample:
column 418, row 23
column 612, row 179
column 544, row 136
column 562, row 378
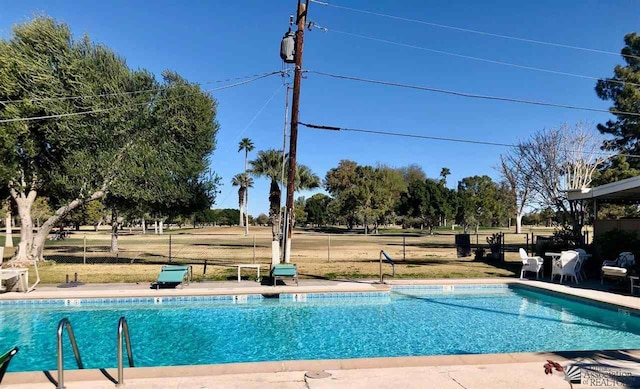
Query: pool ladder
column 123, row 335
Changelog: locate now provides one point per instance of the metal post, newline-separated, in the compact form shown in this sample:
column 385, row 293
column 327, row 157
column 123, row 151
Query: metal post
column 204, row 271
column 169, row 248
column 84, row 251
column 381, row 276
column 254, row 248
column 528, row 251
column 329, row 250
column 404, row 251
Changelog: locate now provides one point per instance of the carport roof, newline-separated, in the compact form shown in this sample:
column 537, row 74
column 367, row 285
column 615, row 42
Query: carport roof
column 623, row 191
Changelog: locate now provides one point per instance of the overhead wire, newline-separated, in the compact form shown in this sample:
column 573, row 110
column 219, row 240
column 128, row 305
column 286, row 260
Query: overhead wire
column 253, row 119
column 428, row 137
column 472, row 95
column 479, row 32
column 486, row 60
column 55, row 116
column 62, row 98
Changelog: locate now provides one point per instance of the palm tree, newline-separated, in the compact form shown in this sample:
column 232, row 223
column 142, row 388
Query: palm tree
column 243, row 182
column 268, row 164
column 247, row 145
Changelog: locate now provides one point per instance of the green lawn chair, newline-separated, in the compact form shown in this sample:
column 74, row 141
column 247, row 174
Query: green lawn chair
column 4, row 361
column 280, row 271
column 173, row 275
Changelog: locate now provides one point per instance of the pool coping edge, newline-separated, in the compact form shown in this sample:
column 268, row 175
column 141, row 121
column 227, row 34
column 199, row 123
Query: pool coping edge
column 35, row 377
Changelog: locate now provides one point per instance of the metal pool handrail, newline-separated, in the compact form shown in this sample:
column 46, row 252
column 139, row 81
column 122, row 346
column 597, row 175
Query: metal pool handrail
column 65, row 324
column 123, row 330
column 389, row 260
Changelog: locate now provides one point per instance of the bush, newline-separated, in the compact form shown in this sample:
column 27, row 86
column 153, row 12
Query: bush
column 564, row 237
column 607, row 246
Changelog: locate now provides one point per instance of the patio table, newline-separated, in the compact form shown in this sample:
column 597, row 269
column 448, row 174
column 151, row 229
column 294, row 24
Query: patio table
column 250, row 266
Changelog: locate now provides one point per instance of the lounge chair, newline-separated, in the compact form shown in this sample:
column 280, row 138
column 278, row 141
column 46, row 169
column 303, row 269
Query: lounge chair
column 567, row 265
column 20, row 270
column 281, row 271
column 618, row 268
column 530, row 264
column 173, row 275
column 4, row 361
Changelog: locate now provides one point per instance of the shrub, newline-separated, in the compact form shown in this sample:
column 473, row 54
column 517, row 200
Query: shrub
column 608, row 245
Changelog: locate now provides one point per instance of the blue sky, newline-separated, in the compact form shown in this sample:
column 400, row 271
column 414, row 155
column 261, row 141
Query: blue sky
column 212, row 40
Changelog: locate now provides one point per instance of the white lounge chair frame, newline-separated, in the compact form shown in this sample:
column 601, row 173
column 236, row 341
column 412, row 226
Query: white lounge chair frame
column 20, row 269
column 618, row 268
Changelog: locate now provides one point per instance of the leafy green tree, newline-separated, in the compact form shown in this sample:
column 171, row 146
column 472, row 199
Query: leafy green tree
column 478, row 198
column 225, row 217
column 316, row 208
column 412, row 173
column 145, row 142
column 389, row 186
column 262, row 219
column 95, row 214
column 340, row 183
column 623, row 91
column 299, row 210
column 425, row 201
column 41, row 210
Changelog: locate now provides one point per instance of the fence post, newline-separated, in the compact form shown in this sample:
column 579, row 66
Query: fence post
column 404, row 245
column 169, row 248
column 329, row 250
column 528, row 251
column 532, row 243
column 84, row 250
column 254, row 248
column 204, row 271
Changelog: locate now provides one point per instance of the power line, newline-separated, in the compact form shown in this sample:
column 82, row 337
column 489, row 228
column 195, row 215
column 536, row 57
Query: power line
column 445, row 139
column 473, row 95
column 439, row 25
column 59, row 98
column 25, row 119
column 259, row 111
column 487, row 60
column 332, row 128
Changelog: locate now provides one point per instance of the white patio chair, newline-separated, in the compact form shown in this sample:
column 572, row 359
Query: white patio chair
column 583, row 258
column 530, row 264
column 618, row 268
column 565, row 265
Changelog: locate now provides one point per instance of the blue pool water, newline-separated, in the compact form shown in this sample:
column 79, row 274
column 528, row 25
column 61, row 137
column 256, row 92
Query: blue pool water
column 404, row 323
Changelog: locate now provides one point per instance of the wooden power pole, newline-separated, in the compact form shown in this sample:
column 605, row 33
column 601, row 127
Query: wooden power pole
column 293, row 143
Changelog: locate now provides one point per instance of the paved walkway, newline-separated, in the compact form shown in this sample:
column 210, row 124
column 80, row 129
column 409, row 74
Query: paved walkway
column 520, row 376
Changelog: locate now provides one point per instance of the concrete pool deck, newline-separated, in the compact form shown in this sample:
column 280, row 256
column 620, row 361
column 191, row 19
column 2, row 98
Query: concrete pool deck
column 516, row 370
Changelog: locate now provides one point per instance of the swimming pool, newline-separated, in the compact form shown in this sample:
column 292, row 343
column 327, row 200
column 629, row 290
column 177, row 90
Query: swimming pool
column 409, row 321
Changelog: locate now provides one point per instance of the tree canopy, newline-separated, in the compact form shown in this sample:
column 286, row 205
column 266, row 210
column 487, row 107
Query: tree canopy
column 121, row 133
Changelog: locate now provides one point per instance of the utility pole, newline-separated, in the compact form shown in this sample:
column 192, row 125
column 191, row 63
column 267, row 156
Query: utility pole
column 295, row 109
